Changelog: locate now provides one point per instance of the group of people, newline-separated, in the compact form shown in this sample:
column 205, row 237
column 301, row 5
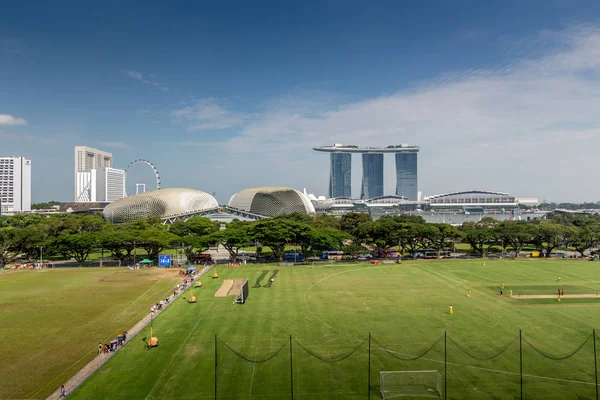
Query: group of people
column 114, row 344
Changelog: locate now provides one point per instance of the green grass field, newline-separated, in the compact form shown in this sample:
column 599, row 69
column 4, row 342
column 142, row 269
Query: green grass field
column 51, row 321
column 329, row 312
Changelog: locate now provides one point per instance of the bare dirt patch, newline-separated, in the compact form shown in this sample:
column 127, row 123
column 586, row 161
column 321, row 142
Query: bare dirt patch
column 224, row 289
column 554, row 296
column 237, row 287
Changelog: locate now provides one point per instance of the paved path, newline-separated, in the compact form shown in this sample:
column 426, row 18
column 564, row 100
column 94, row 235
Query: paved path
column 86, row 372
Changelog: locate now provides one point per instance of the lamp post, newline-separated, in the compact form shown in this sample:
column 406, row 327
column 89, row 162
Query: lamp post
column 41, row 256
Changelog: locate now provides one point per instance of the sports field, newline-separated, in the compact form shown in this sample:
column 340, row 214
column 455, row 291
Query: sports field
column 329, row 312
column 52, row 320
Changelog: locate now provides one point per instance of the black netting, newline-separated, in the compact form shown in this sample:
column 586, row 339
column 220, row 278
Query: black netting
column 404, row 356
column 556, row 358
column 251, row 360
column 486, row 358
column 332, row 359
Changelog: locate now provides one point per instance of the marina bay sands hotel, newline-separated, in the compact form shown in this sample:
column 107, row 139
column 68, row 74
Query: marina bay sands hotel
column 372, row 177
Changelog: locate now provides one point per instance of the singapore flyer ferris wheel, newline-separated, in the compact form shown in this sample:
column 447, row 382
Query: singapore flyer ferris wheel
column 148, row 163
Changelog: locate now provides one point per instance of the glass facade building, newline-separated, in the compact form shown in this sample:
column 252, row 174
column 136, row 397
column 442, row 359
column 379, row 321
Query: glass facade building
column 372, row 182
column 341, row 175
column 406, row 175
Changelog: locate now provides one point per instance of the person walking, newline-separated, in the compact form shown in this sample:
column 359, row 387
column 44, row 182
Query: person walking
column 100, row 348
column 563, row 292
column 63, row 392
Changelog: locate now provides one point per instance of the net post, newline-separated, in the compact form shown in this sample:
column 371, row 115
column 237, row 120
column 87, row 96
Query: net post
column 216, row 364
column 595, row 363
column 369, row 378
column 445, row 369
column 291, row 370
column 521, row 360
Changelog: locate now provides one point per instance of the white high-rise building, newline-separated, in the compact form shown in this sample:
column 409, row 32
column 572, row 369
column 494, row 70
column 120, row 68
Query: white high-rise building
column 100, row 185
column 15, row 184
column 87, row 159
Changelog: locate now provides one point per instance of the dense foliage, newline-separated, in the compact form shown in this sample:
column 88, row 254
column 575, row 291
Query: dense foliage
column 76, row 236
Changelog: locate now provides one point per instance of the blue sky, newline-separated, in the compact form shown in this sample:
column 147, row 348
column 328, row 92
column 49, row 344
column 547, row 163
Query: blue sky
column 226, row 95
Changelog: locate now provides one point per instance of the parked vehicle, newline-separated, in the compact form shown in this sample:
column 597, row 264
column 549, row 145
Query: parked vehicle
column 332, row 255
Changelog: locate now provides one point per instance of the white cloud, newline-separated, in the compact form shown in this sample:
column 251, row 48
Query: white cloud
column 208, row 114
column 530, row 127
column 6, row 119
column 138, row 76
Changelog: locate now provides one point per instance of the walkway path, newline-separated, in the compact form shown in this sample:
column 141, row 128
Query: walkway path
column 86, row 372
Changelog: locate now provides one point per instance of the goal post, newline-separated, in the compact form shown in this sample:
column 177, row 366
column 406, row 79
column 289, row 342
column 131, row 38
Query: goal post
column 243, row 295
column 393, row 384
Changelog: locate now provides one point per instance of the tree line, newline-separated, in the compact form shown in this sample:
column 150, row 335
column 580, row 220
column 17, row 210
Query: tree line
column 76, row 236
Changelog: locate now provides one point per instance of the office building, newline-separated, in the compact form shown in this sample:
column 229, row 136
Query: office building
column 340, row 176
column 87, row 159
column 15, row 184
column 100, row 185
column 372, row 182
column 406, row 175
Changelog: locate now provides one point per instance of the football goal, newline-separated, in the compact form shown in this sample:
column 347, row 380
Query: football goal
column 393, row 384
column 241, row 298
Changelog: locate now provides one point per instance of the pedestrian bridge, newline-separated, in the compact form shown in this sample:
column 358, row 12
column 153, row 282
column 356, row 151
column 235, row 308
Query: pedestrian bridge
column 222, row 213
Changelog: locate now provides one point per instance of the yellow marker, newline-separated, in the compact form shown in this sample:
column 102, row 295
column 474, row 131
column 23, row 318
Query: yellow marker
column 451, row 310
column 510, row 293
column 559, row 299
column 469, row 293
column 558, row 280
column 502, row 285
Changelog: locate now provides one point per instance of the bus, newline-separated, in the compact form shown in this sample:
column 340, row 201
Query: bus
column 429, row 254
column 332, row 255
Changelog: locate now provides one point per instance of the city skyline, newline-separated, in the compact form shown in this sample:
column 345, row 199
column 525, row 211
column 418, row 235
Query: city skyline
column 491, row 91
column 373, row 171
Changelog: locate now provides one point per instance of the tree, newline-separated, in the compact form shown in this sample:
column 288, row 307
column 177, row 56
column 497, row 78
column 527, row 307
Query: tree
column 515, row 234
column 351, row 222
column 480, row 235
column 44, row 206
column 583, row 238
column 90, row 223
column 9, row 248
column 193, row 245
column 548, row 235
column 77, row 245
column 233, row 238
column 382, row 234
column 313, row 240
column 29, row 240
column 193, row 234
column 154, row 240
column 275, row 233
column 194, row 226
column 119, row 240
column 442, row 236
column 326, row 221
column 416, row 236
column 297, row 217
